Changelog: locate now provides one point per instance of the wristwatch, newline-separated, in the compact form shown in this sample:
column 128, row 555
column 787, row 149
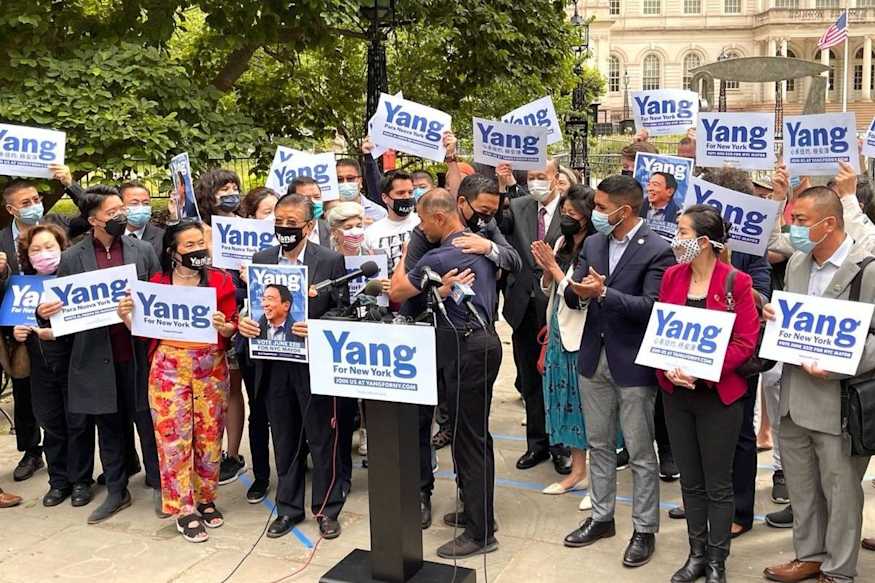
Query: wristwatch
column 603, row 294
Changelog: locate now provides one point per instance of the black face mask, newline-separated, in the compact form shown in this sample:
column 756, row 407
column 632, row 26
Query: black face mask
column 569, row 226
column 289, row 237
column 403, row 206
column 115, row 227
column 627, row 173
column 477, row 221
column 196, row 260
column 229, row 203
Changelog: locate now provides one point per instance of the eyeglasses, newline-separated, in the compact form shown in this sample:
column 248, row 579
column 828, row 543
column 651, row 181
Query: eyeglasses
column 31, row 202
column 345, row 179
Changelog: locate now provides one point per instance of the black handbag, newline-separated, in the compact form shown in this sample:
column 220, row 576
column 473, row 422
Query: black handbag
column 858, row 395
column 754, row 365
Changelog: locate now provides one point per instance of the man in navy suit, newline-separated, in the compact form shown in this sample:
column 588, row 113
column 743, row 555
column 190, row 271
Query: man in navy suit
column 617, row 280
column 660, row 208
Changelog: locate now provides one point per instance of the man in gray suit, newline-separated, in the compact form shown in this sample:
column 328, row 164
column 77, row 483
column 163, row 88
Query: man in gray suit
column 823, row 479
column 138, row 202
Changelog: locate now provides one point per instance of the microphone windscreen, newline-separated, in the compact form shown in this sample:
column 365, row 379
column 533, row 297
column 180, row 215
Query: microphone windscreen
column 369, row 269
column 373, row 288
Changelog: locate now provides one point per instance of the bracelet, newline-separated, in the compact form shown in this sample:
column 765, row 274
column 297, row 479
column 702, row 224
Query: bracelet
column 451, row 159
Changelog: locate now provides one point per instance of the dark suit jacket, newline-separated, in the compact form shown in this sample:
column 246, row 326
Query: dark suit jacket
column 670, row 214
column 618, row 322
column 154, row 235
column 290, row 336
column 92, row 387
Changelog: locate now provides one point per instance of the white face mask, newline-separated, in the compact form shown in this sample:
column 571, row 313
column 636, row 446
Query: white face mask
column 685, row 250
column 539, row 189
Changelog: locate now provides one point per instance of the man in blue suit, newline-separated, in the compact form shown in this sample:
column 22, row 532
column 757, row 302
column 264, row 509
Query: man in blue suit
column 617, row 280
column 660, row 208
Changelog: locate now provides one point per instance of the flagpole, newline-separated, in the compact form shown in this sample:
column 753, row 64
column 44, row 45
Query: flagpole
column 845, row 67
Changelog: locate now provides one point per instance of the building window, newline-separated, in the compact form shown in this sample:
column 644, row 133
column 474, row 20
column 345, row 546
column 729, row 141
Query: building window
column 652, row 7
column 651, row 73
column 786, row 3
column 615, row 7
column 691, row 61
column 827, row 4
column 692, row 6
column 732, row 6
column 613, row 74
column 731, row 55
column 865, row 3
column 858, row 71
column 831, row 79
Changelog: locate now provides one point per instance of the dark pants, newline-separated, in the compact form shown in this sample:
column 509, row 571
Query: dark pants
column 290, row 407
column 744, row 472
column 27, row 437
column 259, row 426
column 472, row 383
column 663, row 443
column 525, row 354
column 703, row 432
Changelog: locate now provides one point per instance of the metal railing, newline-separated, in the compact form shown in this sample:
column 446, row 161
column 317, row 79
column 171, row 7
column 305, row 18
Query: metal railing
column 791, row 15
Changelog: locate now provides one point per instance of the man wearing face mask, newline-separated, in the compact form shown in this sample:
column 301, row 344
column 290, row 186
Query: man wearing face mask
column 422, row 183
column 349, row 184
column 389, row 234
column 138, row 204
column 307, row 186
column 108, row 367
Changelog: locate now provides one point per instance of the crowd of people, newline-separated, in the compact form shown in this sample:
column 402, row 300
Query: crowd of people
column 578, row 271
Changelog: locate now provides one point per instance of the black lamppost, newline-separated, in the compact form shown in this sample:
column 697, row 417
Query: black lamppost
column 577, row 122
column 380, row 16
column 721, row 99
column 626, row 94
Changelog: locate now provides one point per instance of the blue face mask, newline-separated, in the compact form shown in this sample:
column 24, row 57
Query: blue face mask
column 418, row 192
column 229, row 202
column 348, row 190
column 800, row 237
column 31, row 215
column 139, row 215
column 317, row 209
column 602, row 222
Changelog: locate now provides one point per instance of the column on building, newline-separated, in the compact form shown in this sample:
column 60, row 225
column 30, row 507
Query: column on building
column 867, row 69
column 824, row 60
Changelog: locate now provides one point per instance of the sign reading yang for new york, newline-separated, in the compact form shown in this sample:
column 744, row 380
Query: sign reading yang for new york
column 523, row 147
column 692, row 339
column 23, row 293
column 410, row 127
column 664, row 112
column 539, row 113
column 815, row 144
column 827, row 331
column 27, row 151
column 869, row 141
column 373, row 361
column 289, row 163
column 89, row 299
column 173, row 312
column 741, row 139
column 236, row 240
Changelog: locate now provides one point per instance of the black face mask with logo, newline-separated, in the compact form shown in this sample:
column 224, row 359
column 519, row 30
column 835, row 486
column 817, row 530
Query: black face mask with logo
column 403, row 206
column 195, row 260
column 289, row 237
column 477, row 221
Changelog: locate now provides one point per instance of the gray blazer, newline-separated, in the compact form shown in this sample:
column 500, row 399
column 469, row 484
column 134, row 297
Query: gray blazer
column 816, row 404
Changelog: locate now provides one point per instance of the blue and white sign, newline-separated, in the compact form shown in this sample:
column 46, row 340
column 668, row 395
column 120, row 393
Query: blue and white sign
column 278, row 299
column 378, row 149
column 27, row 151
column 410, row 127
column 289, row 163
column 664, row 112
column 539, row 113
column 236, row 240
column 815, row 144
column 173, row 312
column 869, row 141
column 680, row 168
column 691, row 339
column 751, row 218
column 740, row 139
column 826, row 331
column 182, row 198
column 362, row 360
column 21, row 298
column 89, row 299
column 523, row 147
column 354, row 262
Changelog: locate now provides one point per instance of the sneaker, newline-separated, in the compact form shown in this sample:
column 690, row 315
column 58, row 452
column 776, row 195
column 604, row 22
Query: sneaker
column 257, row 491
column 780, row 495
column 668, row 470
column 782, row 518
column 363, row 443
column 463, row 547
column 622, row 459
column 230, row 469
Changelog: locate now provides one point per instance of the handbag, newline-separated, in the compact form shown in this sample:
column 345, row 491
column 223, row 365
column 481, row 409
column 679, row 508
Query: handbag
column 542, row 340
column 858, row 395
column 755, row 364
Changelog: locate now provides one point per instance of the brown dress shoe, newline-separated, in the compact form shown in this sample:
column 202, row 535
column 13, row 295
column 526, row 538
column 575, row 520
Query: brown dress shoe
column 868, row 544
column 793, row 572
column 8, row 500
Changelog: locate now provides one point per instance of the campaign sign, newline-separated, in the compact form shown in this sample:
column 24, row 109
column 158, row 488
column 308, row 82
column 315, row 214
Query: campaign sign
column 869, row 141
column 183, row 190
column 741, row 140
column 278, row 299
column 236, row 240
column 173, row 312
column 378, row 149
column 815, row 144
column 523, row 147
column 539, row 113
column 664, row 112
column 22, row 296
column 750, row 217
column 27, row 151
column 691, row 339
column 410, row 127
column 827, row 331
column 288, row 164
column 89, row 299
column 363, row 360
column 681, row 169
column 354, row 262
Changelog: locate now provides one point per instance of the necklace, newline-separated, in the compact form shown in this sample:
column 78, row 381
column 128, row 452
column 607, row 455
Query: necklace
column 183, row 276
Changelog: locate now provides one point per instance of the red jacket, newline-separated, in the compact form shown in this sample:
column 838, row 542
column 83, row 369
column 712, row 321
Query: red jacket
column 745, row 330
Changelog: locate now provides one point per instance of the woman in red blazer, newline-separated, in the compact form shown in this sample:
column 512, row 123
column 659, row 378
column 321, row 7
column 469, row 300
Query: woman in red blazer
column 703, row 417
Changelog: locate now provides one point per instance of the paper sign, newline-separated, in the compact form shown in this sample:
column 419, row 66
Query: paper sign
column 692, row 339
column 681, row 169
column 827, row 331
column 378, row 149
column 90, row 299
column 357, row 285
column 410, row 127
column 276, row 310
column 665, row 112
column 173, row 312
column 27, row 151
column 539, row 113
column 751, row 218
column 869, row 141
column 742, row 140
column 21, row 298
column 815, row 144
column 183, row 190
column 523, row 147
column 373, row 361
column 236, row 240
column 288, row 164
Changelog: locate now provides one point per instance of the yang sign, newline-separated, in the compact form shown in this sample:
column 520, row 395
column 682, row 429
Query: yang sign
column 27, row 151
column 664, row 112
column 89, row 299
column 815, row 144
column 173, row 312
column 741, row 140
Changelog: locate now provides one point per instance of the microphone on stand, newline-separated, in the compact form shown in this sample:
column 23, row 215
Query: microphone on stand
column 431, row 281
column 368, row 269
column 463, row 294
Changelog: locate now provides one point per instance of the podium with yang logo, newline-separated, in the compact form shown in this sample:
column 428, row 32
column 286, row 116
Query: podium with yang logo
column 393, row 367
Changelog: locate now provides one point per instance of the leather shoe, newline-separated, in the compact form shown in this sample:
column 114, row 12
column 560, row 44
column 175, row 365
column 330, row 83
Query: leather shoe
column 589, row 532
column 678, row 513
column 329, row 528
column 55, row 496
column 868, row 544
column 793, row 572
column 716, row 570
column 562, row 463
column 113, row 504
column 532, row 458
column 695, row 566
column 81, row 495
column 425, row 510
column 640, row 549
column 282, row 526
column 27, row 467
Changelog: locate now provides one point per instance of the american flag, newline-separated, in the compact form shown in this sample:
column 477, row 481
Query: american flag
column 835, row 34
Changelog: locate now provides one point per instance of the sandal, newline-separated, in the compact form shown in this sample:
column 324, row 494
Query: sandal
column 210, row 514
column 191, row 527
column 442, row 439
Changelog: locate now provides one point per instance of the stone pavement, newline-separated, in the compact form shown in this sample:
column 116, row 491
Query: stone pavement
column 40, row 544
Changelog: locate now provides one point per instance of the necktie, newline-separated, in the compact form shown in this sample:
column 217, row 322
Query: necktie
column 542, row 212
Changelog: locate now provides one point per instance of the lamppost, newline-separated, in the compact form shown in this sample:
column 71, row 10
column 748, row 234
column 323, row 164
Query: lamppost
column 380, row 16
column 625, row 94
column 577, row 122
column 721, row 100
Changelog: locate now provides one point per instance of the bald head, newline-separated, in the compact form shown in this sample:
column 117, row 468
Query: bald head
column 820, row 202
column 438, row 214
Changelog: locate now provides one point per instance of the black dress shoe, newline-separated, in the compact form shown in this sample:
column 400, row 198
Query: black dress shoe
column 562, row 464
column 532, row 458
column 55, row 496
column 678, row 513
column 81, row 495
column 27, row 467
column 329, row 528
column 282, row 526
column 640, row 549
column 589, row 532
column 114, row 503
column 425, row 510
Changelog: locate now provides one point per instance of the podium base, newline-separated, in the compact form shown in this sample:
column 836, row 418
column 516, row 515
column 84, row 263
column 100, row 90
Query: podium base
column 356, row 568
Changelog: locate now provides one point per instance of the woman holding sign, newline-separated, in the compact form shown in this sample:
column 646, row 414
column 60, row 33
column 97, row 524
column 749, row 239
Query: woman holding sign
column 188, row 388
column 703, row 417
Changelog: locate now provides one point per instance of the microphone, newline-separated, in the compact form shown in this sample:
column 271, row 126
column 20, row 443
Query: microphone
column 431, row 281
column 462, row 294
column 367, row 269
column 373, row 288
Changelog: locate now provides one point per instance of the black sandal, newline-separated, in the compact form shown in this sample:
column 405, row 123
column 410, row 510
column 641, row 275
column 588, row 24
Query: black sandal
column 210, row 515
column 442, row 439
column 191, row 527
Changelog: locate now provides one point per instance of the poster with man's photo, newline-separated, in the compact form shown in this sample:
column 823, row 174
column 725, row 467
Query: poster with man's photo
column 277, row 300
column 182, row 198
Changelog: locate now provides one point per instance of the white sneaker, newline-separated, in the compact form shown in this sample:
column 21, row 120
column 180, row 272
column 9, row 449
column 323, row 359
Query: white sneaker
column 363, row 443
column 585, row 503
